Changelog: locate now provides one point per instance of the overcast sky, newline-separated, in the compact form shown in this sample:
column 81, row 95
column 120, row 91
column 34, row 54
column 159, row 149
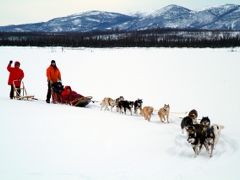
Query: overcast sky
column 29, row 11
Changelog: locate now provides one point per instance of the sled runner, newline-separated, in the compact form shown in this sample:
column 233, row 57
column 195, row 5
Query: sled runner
column 82, row 102
column 20, row 93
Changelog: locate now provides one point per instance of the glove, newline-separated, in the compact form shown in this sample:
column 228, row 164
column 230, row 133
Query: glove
column 10, row 62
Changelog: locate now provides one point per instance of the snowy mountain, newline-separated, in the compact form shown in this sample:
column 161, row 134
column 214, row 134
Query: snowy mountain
column 83, row 22
column 223, row 17
column 171, row 16
column 226, row 17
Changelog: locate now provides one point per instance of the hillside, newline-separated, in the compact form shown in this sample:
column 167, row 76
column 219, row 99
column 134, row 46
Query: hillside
column 225, row 17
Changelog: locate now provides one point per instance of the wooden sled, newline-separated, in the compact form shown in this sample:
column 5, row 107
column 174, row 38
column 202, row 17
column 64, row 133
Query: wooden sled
column 21, row 92
column 82, row 102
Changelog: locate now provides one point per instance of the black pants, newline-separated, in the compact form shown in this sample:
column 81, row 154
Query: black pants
column 49, row 92
column 12, row 91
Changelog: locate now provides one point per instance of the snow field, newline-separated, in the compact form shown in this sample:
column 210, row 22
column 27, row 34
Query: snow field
column 49, row 141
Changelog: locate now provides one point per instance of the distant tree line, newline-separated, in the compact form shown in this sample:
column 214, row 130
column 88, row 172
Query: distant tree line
column 116, row 38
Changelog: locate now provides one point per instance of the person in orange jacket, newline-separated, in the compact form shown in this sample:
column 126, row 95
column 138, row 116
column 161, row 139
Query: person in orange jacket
column 53, row 76
column 15, row 77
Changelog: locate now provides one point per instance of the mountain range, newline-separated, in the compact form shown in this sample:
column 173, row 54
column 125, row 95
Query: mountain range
column 225, row 17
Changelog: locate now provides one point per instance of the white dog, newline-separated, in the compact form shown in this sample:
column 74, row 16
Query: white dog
column 107, row 102
column 217, row 131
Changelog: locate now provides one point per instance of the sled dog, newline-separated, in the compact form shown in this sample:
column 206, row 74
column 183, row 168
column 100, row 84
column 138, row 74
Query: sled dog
column 120, row 98
column 209, row 141
column 146, row 112
column 125, row 105
column 196, row 137
column 205, row 121
column 163, row 113
column 200, row 135
column 137, row 105
column 217, row 132
column 193, row 114
column 186, row 122
column 107, row 102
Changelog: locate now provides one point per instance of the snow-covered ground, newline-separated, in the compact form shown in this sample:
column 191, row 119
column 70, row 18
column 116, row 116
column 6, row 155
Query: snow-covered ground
column 40, row 141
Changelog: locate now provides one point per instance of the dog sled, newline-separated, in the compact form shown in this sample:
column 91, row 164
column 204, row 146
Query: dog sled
column 20, row 93
column 81, row 102
column 65, row 95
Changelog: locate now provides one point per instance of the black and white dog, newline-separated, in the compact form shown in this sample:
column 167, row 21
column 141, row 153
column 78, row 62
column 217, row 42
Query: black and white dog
column 125, row 105
column 137, row 105
column 205, row 121
column 186, row 122
column 120, row 98
column 209, row 140
column 196, row 137
column 201, row 135
column 189, row 120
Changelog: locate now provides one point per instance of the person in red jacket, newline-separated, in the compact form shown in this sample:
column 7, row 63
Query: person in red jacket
column 15, row 77
column 69, row 96
column 53, row 76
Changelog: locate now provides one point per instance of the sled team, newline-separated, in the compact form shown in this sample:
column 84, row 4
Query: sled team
column 202, row 133
column 198, row 134
column 123, row 105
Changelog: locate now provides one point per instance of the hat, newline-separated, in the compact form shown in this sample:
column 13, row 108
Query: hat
column 68, row 87
column 53, row 62
column 17, row 63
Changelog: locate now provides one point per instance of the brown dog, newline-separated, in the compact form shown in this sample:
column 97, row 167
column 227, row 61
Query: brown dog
column 107, row 102
column 146, row 112
column 163, row 113
column 193, row 114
